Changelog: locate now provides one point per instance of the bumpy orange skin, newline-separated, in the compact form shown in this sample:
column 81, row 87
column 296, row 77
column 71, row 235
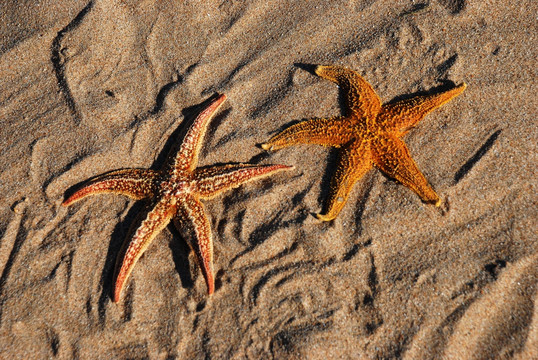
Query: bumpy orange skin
column 368, row 135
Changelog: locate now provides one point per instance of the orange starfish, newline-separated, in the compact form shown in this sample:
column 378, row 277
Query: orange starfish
column 368, row 134
column 177, row 190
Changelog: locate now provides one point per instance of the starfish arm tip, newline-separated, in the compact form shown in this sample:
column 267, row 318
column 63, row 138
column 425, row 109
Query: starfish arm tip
column 117, row 294
column 70, row 200
column 118, row 287
column 283, row 167
column 267, row 146
column 318, row 69
column 210, row 279
column 217, row 101
column 324, row 217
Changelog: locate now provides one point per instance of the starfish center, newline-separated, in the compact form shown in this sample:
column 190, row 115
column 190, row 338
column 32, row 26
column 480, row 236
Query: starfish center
column 175, row 187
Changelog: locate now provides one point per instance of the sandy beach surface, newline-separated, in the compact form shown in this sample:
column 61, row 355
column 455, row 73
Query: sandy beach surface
column 92, row 86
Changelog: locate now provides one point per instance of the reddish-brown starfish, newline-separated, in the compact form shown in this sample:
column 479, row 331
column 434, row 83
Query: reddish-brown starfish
column 177, row 190
column 368, row 134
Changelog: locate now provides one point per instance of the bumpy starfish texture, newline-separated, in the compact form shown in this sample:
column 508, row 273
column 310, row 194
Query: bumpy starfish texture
column 368, row 134
column 177, row 191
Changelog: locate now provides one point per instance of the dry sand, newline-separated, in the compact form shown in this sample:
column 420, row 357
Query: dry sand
column 88, row 87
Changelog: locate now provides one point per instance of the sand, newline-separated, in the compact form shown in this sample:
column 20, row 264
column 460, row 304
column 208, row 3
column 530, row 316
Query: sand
column 88, row 87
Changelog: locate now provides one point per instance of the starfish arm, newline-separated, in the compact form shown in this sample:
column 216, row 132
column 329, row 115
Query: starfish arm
column 156, row 220
column 401, row 116
column 191, row 216
column 353, row 163
column 334, row 131
column 187, row 155
column 134, row 183
column 360, row 99
column 214, row 180
column 392, row 157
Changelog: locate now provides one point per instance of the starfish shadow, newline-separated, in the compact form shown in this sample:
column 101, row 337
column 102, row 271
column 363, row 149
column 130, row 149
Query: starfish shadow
column 366, row 184
column 259, row 157
column 311, row 68
column 465, row 168
column 163, row 93
column 180, row 255
column 325, row 183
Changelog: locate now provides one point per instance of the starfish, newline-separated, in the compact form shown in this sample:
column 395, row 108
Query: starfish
column 368, row 135
column 176, row 190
